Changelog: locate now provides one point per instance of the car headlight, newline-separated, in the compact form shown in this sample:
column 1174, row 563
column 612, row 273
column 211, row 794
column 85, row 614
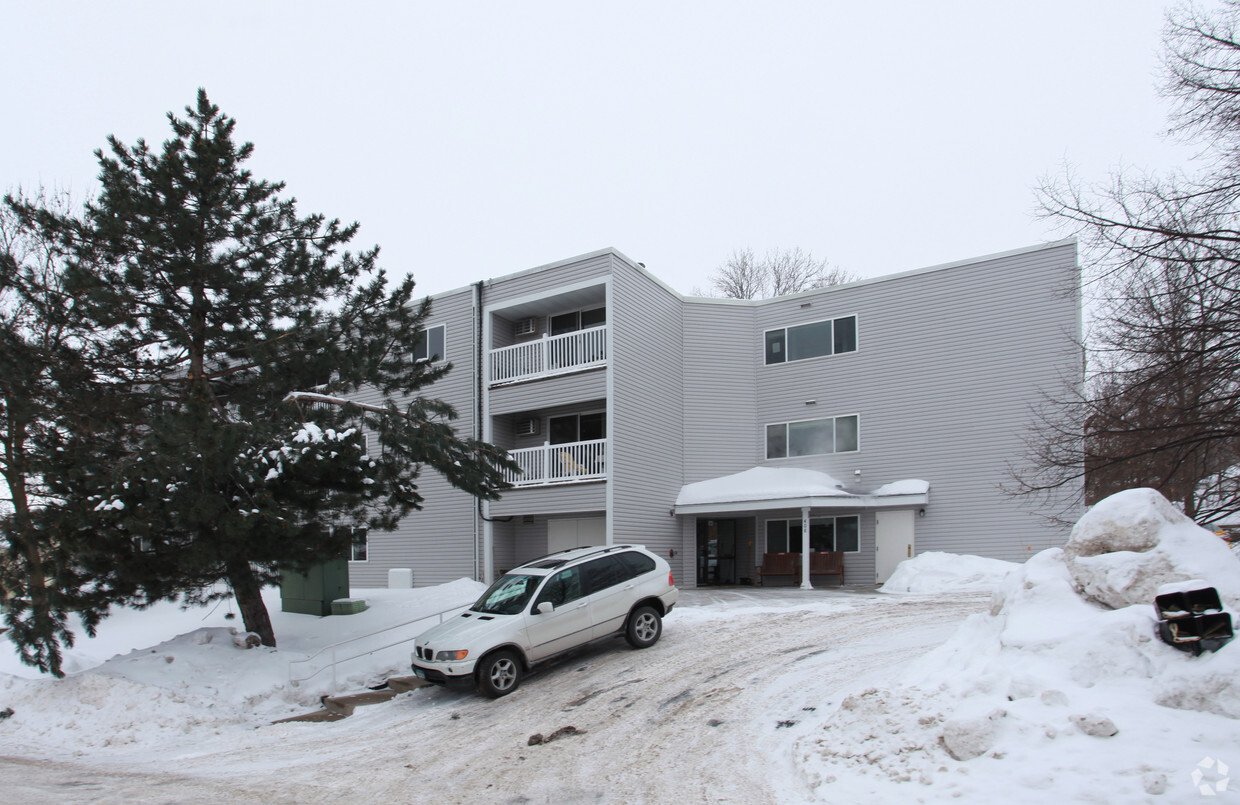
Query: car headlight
column 450, row 656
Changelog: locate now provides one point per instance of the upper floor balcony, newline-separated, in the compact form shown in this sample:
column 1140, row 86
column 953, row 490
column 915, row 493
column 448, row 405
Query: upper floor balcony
column 549, row 356
column 566, row 463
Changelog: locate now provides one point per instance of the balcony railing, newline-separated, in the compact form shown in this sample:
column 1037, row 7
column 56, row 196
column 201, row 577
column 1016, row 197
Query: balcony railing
column 550, row 355
column 570, row 463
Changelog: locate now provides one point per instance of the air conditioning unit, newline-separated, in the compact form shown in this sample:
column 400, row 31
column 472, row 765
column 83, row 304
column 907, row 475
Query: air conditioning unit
column 527, row 326
column 527, row 427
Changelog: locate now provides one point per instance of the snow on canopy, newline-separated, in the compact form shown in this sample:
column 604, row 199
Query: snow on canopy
column 782, row 483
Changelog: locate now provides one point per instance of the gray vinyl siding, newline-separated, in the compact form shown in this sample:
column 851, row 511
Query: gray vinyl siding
column 949, row 361
column 720, row 398
column 947, row 366
column 554, row 499
column 647, row 418
column 547, row 279
column 536, row 394
column 437, row 541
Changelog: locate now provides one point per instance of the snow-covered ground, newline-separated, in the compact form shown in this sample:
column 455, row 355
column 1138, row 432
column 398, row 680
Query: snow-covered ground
column 977, row 680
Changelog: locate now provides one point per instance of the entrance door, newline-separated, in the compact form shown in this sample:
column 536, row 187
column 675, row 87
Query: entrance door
column 576, row 533
column 893, row 542
column 716, row 552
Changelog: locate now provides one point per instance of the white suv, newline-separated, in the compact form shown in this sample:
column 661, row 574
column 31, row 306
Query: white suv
column 547, row 606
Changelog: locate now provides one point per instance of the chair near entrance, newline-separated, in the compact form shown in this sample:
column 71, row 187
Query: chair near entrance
column 821, row 563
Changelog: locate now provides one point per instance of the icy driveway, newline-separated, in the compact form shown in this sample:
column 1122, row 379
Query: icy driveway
column 709, row 714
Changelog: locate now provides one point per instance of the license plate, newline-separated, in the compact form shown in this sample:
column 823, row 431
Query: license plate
column 420, row 672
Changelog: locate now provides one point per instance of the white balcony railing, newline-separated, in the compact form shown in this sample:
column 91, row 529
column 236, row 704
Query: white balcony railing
column 550, row 355
column 569, row 463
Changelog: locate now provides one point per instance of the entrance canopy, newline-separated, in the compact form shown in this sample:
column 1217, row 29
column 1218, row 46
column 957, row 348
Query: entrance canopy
column 790, row 488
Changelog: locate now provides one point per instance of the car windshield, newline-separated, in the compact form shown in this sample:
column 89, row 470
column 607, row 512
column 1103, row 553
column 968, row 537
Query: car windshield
column 508, row 595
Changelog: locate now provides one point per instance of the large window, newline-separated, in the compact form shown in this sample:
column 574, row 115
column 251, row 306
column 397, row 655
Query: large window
column 812, row 340
column 825, row 534
column 811, row 437
column 578, row 320
column 430, row 345
column 577, row 428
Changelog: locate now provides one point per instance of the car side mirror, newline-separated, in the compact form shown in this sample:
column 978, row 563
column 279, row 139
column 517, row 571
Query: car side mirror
column 545, row 608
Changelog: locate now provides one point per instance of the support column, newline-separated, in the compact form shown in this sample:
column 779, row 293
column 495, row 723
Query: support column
column 805, row 585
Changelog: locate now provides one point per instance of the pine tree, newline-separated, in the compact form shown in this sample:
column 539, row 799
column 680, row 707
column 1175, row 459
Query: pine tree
column 41, row 365
column 245, row 329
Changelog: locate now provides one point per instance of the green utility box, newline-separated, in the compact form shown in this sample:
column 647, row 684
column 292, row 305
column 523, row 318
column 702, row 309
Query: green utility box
column 312, row 592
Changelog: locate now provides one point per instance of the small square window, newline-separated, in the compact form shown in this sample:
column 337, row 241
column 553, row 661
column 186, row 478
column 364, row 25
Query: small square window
column 430, row 346
column 846, row 434
column 775, row 346
column 358, row 548
column 776, row 536
column 777, row 441
column 848, row 534
column 845, row 335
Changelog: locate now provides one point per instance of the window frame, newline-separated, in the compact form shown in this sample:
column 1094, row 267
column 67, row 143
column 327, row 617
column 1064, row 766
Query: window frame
column 787, row 434
column 784, row 349
column 365, row 543
column 790, row 521
column 602, row 412
column 425, row 343
column 577, row 316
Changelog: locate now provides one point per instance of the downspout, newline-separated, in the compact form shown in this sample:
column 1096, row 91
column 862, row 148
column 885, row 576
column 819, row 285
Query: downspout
column 483, row 569
column 477, row 406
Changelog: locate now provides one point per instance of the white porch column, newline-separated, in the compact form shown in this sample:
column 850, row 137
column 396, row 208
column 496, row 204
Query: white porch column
column 805, row 585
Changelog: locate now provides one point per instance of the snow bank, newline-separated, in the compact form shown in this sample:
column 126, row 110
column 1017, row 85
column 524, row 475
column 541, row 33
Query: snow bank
column 1063, row 690
column 1129, row 545
column 145, row 676
column 937, row 572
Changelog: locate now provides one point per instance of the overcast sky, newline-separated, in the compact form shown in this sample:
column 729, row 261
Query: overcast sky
column 472, row 140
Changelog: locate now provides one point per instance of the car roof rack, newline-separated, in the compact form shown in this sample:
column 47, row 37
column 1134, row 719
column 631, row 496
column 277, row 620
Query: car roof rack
column 554, row 559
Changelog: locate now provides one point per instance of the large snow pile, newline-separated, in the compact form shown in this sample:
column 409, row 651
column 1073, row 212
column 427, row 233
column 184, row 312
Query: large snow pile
column 937, row 572
column 1064, row 678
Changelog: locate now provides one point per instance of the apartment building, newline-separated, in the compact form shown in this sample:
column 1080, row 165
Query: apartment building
column 875, row 419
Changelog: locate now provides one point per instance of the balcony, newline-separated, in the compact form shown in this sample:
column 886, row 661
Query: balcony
column 549, row 356
column 571, row 463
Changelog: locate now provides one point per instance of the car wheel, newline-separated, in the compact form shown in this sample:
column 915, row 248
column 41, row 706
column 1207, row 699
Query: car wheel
column 645, row 627
column 499, row 674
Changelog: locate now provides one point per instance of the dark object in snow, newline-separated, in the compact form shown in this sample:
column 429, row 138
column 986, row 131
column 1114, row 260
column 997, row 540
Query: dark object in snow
column 788, row 723
column 1183, row 604
column 5, row 713
column 537, row 738
column 1194, row 620
column 714, row 722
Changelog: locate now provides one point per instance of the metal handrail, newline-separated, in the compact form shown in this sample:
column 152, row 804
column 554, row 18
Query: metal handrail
column 334, row 648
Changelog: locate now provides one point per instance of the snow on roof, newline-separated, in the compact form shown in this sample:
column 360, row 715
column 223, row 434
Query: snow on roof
column 761, row 483
column 783, row 484
column 910, row 486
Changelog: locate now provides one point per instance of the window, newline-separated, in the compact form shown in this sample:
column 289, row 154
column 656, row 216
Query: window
column 577, row 428
column 638, row 563
column 357, row 547
column 825, row 534
column 578, row 320
column 813, row 340
column 430, row 345
column 562, row 588
column 603, row 573
column 812, row 437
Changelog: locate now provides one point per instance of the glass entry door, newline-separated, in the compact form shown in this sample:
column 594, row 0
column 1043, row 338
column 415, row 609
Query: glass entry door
column 716, row 552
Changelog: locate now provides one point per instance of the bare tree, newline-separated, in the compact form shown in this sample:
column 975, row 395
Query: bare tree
column 1161, row 406
column 777, row 273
